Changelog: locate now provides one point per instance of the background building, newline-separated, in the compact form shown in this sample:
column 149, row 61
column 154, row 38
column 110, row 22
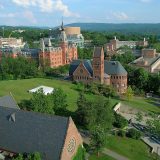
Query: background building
column 115, row 44
column 12, row 42
column 150, row 61
column 74, row 36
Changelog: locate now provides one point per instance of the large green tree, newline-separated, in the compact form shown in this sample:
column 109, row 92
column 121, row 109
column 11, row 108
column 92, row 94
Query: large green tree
column 98, row 139
column 59, row 100
column 41, row 103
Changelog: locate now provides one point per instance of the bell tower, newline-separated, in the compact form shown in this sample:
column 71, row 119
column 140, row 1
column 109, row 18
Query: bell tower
column 63, row 44
column 98, row 65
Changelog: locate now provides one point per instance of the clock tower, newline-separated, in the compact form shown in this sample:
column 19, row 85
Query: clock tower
column 98, row 65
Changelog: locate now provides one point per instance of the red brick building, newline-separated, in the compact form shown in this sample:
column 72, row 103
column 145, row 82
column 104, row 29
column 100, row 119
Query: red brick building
column 54, row 137
column 52, row 56
column 100, row 70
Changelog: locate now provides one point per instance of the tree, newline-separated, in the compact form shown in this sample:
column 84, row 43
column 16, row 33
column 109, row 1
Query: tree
column 101, row 114
column 120, row 122
column 141, row 78
column 82, row 111
column 133, row 133
column 34, row 156
column 129, row 93
column 59, row 100
column 126, row 57
column 154, row 125
column 19, row 157
column 98, row 139
column 41, row 103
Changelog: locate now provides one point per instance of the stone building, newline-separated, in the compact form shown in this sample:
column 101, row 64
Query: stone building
column 54, row 137
column 52, row 56
column 100, row 71
column 150, row 61
column 115, row 44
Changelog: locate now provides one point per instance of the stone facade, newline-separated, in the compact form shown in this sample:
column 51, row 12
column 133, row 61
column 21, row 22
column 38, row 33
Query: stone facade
column 119, row 82
column 82, row 74
column 100, row 71
column 72, row 142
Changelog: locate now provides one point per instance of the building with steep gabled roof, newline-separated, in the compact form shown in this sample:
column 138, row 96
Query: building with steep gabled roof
column 100, row 71
column 54, row 137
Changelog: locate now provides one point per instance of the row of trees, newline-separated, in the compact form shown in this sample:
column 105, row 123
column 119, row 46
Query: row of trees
column 142, row 81
column 20, row 67
column 100, row 38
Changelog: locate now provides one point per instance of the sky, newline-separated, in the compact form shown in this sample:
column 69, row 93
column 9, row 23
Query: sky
column 50, row 12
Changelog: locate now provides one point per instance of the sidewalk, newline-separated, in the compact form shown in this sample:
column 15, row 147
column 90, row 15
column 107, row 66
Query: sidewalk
column 114, row 154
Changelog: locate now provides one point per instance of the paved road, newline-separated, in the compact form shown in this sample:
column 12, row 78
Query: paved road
column 114, row 154
column 155, row 146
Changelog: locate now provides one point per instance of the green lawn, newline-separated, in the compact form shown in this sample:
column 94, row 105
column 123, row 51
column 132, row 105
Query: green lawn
column 19, row 89
column 101, row 157
column 133, row 149
column 143, row 104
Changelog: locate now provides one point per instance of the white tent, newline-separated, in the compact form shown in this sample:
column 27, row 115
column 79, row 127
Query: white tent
column 46, row 90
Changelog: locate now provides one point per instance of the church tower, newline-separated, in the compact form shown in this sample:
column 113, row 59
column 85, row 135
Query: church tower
column 98, row 65
column 63, row 44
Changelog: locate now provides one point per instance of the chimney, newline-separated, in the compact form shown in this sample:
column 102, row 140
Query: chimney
column 12, row 117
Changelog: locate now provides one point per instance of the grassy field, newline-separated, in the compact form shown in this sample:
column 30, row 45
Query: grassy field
column 143, row 104
column 133, row 149
column 101, row 157
column 19, row 89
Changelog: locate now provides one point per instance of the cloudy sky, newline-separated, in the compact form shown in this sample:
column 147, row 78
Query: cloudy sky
column 50, row 12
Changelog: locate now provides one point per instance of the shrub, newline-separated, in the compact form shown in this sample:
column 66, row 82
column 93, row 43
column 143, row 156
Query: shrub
column 120, row 122
column 121, row 133
column 80, row 155
column 133, row 133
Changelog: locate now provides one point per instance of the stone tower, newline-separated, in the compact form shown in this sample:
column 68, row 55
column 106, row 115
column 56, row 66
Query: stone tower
column 98, row 65
column 63, row 44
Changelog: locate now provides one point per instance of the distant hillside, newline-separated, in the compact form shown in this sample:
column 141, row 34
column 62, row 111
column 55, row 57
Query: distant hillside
column 123, row 28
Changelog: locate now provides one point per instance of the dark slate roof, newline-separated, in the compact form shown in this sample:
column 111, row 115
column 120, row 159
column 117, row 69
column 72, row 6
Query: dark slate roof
column 8, row 101
column 97, row 51
column 75, row 64
column 113, row 68
column 23, row 131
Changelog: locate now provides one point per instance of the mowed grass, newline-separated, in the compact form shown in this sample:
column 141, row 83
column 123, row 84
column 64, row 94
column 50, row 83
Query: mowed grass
column 143, row 104
column 130, row 148
column 19, row 89
column 101, row 157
